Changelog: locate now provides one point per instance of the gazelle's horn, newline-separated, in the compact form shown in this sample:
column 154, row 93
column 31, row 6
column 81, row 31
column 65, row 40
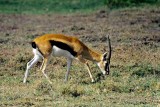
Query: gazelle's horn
column 109, row 49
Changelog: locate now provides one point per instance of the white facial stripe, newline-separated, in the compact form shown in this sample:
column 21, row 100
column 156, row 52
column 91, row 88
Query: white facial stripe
column 102, row 69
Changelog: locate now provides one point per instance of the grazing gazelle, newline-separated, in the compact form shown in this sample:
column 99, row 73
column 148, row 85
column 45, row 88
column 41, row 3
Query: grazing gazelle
column 71, row 48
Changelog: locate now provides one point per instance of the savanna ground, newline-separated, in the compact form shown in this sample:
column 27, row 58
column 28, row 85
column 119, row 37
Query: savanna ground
column 135, row 64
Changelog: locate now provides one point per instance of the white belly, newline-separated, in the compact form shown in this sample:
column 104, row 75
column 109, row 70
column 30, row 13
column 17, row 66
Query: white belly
column 60, row 52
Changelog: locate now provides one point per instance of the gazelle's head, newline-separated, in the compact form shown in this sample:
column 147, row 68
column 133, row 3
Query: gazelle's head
column 104, row 64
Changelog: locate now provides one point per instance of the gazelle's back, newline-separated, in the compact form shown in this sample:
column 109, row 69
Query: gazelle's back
column 67, row 41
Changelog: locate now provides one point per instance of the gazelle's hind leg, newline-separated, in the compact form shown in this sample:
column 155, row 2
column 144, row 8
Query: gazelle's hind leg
column 69, row 62
column 29, row 65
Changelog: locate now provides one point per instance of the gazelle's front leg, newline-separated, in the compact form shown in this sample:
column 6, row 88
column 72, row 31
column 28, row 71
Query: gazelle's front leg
column 43, row 67
column 69, row 62
column 87, row 65
column 89, row 71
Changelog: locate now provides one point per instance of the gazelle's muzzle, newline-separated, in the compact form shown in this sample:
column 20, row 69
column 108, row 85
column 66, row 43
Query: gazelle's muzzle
column 107, row 69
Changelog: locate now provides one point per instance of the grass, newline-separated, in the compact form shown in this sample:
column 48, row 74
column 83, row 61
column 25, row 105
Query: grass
column 66, row 6
column 123, row 89
column 48, row 6
column 127, row 85
column 135, row 67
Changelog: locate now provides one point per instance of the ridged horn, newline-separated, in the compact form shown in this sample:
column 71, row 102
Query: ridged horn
column 109, row 49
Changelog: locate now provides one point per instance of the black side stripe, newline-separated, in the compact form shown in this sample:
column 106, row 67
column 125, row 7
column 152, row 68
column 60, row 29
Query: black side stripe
column 63, row 46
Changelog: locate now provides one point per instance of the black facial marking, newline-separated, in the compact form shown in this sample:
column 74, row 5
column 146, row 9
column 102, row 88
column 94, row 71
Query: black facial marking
column 63, row 46
column 104, row 57
column 107, row 68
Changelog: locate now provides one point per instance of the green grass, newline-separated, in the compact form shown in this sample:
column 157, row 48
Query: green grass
column 123, row 89
column 48, row 6
column 66, row 6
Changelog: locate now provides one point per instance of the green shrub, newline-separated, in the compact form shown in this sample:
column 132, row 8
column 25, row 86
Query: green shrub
column 126, row 3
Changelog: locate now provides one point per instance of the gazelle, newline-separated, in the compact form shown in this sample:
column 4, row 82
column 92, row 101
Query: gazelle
column 70, row 47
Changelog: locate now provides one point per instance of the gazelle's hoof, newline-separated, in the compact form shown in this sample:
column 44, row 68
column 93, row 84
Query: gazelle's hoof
column 24, row 81
column 93, row 81
column 50, row 82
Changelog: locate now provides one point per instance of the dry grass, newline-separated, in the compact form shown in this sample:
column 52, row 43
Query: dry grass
column 135, row 66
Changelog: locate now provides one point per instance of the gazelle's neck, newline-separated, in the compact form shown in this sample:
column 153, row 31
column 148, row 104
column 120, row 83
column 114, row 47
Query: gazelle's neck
column 94, row 56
